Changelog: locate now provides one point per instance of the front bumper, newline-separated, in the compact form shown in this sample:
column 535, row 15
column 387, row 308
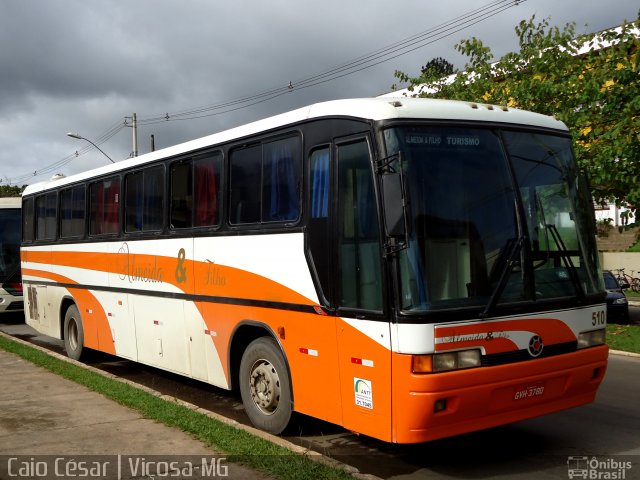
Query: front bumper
column 486, row 397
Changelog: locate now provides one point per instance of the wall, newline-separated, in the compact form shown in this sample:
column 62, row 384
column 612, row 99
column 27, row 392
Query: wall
column 630, row 261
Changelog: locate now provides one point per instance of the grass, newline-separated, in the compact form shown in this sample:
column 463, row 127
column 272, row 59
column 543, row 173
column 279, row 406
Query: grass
column 631, row 294
column 634, row 248
column 624, row 337
column 239, row 445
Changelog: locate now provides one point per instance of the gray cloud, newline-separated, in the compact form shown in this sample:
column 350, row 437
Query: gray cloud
column 72, row 65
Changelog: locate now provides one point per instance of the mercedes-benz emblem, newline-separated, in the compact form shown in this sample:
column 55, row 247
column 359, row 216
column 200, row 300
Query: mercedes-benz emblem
column 535, row 346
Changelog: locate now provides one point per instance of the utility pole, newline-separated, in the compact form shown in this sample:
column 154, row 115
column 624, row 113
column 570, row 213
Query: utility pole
column 134, row 125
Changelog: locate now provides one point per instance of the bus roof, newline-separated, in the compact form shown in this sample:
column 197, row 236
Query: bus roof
column 10, row 202
column 375, row 109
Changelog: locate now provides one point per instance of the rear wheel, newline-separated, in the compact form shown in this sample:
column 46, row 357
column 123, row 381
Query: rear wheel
column 265, row 386
column 73, row 333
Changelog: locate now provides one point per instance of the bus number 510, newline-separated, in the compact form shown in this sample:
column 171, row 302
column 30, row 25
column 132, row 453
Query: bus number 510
column 598, row 318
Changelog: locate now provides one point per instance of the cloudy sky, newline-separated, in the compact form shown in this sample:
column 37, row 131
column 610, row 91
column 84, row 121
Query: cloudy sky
column 84, row 66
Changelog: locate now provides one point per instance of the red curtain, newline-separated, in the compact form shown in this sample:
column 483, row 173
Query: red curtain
column 206, row 198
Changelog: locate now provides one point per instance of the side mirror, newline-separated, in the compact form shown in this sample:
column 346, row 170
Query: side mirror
column 393, row 201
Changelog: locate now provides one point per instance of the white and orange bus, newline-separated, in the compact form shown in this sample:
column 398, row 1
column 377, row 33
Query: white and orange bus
column 409, row 269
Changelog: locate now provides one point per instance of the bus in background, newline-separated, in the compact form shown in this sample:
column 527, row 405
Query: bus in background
column 10, row 279
column 409, row 269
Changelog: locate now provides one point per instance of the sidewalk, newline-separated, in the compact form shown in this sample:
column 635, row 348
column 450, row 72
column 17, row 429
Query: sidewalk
column 44, row 414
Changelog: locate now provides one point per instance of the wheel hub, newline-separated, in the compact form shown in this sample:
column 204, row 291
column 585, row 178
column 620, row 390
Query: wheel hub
column 265, row 386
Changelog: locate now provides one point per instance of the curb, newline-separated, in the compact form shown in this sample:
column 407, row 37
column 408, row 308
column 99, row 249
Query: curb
column 311, row 454
column 624, row 354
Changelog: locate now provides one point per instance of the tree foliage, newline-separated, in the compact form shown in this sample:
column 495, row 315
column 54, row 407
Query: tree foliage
column 437, row 68
column 11, row 190
column 591, row 83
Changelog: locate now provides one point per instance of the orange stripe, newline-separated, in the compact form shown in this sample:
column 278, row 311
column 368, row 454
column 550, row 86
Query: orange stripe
column 203, row 278
column 97, row 332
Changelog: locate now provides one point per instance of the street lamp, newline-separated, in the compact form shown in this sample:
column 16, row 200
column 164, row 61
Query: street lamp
column 80, row 137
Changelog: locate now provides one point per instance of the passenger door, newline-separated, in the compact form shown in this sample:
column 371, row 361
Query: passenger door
column 362, row 331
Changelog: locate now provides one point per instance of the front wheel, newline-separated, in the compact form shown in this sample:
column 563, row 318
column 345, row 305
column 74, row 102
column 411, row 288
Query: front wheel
column 73, row 333
column 265, row 386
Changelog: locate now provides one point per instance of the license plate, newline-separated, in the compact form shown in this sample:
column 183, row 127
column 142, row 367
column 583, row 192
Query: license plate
column 528, row 392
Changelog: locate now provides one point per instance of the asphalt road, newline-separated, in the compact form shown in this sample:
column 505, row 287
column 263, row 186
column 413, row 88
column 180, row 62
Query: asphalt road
column 604, row 434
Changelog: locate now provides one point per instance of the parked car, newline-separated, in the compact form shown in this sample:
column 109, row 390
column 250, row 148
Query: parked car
column 617, row 304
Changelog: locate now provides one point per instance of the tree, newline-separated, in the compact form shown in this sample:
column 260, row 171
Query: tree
column 11, row 190
column 594, row 90
column 438, row 67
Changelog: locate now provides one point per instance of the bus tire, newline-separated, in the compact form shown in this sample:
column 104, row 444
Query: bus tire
column 73, row 333
column 265, row 386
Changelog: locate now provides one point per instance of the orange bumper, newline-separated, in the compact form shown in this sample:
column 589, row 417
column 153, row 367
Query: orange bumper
column 489, row 396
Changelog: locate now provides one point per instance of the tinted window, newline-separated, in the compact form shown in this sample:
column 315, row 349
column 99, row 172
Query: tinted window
column 72, row 212
column 281, row 171
column 246, row 185
column 104, row 207
column 320, row 183
column 265, row 182
column 206, row 190
column 144, row 191
column 27, row 220
column 319, row 227
column 359, row 249
column 181, row 194
column 195, row 192
column 46, row 217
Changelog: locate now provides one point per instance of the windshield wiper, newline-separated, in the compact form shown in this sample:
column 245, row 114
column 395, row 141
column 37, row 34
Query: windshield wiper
column 511, row 253
column 566, row 259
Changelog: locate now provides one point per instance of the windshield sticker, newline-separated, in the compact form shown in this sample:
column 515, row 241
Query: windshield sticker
column 463, row 141
column 363, row 393
column 423, row 139
column 437, row 140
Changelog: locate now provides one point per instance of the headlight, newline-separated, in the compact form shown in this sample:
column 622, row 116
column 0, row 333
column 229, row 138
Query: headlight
column 442, row 362
column 592, row 338
column 620, row 301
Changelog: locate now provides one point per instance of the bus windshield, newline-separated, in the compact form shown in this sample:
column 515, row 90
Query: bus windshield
column 494, row 217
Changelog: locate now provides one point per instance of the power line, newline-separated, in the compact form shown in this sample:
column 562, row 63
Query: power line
column 107, row 135
column 372, row 59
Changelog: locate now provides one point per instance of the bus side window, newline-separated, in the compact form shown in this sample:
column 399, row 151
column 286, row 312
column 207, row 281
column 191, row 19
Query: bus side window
column 265, row 182
column 206, row 189
column 104, row 207
column 181, row 194
column 281, row 180
column 46, row 216
column 319, row 229
column 28, row 220
column 245, row 185
column 72, row 212
column 144, row 200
